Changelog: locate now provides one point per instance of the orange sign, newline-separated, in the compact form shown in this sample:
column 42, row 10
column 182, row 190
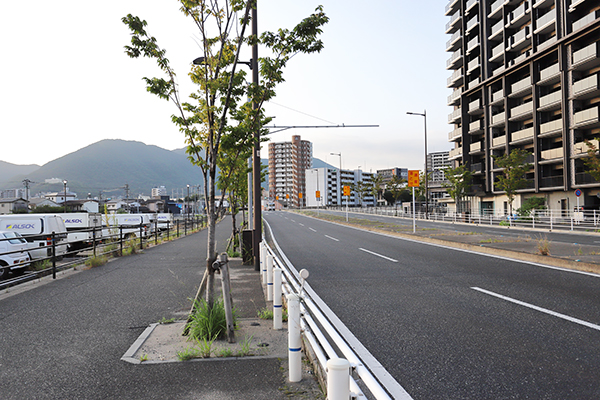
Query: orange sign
column 287, row 196
column 413, row 178
column 300, row 195
column 318, row 194
column 346, row 190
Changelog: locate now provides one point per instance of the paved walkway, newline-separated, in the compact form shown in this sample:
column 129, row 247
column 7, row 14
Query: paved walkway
column 64, row 339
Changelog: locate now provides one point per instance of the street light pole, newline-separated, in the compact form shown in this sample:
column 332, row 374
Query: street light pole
column 188, row 205
column 65, row 186
column 256, row 154
column 424, row 115
column 340, row 180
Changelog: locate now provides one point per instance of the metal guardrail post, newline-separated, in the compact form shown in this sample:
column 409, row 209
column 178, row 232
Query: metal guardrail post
column 94, row 240
column 156, row 231
column 177, row 228
column 53, row 255
column 121, row 239
column 294, row 338
column 185, row 226
column 277, row 306
column 141, row 237
column 338, row 379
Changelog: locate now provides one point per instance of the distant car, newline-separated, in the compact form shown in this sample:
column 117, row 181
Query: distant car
column 13, row 253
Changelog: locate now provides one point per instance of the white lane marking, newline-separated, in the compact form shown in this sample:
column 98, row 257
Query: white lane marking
column 540, row 309
column 301, row 224
column 332, row 238
column 378, row 255
column 311, row 229
column 292, row 220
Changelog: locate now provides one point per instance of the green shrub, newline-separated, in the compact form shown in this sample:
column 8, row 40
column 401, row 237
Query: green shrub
column 504, row 223
column 96, row 261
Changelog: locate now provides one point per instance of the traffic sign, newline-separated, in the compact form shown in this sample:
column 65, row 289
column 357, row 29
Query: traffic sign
column 413, row 178
column 346, row 190
column 318, row 194
column 578, row 192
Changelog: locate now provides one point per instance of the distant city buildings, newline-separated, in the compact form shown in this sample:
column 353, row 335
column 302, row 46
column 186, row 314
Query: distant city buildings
column 388, row 174
column 288, row 162
column 436, row 163
column 158, row 192
column 324, row 187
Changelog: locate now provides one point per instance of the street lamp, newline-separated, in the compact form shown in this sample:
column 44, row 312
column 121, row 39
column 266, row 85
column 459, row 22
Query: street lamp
column 340, row 182
column 424, row 115
column 188, row 204
column 65, row 186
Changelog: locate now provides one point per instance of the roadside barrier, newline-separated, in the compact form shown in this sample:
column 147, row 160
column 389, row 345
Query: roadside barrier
column 312, row 323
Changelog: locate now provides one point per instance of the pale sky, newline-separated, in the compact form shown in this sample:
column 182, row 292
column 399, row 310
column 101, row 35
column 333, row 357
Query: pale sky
column 67, row 82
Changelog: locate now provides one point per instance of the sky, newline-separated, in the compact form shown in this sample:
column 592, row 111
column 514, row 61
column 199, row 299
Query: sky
column 67, row 82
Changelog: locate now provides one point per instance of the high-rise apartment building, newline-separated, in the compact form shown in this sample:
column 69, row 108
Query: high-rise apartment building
column 436, row 163
column 328, row 183
column 288, row 162
column 525, row 75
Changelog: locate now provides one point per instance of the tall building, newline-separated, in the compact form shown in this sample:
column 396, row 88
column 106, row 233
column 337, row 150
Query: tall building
column 387, row 174
column 525, row 74
column 288, row 162
column 158, row 192
column 436, row 163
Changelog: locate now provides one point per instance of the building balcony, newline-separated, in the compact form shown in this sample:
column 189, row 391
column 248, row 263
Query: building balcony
column 499, row 119
column 455, row 134
column 475, row 107
column 471, row 4
column 586, row 88
column 552, row 154
column 551, row 181
column 499, row 141
column 476, row 127
column 455, row 116
column 587, row 118
column 454, row 98
column 520, row 88
column 473, row 65
column 497, row 53
column 588, row 19
column 476, row 148
column 541, row 4
column 552, row 128
column 496, row 9
column 584, row 178
column 522, row 136
column 455, row 154
column 477, row 168
column 453, row 24
column 520, row 58
column 582, row 148
column 451, row 7
column 454, row 42
column 474, row 82
column 518, row 16
column 497, row 31
column 545, row 23
column 455, row 79
column 551, row 101
column 473, row 44
column 521, row 112
column 455, row 60
column 472, row 23
column 549, row 75
column 586, row 57
column 498, row 97
column 519, row 40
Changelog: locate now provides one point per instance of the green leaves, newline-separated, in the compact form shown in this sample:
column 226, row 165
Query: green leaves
column 513, row 174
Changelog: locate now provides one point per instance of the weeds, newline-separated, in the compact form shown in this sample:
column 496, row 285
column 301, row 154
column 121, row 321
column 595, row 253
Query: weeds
column 245, row 349
column 267, row 313
column 187, row 354
column 543, row 246
column 165, row 321
column 205, row 347
column 144, row 357
column 40, row 265
column 96, row 261
column 208, row 323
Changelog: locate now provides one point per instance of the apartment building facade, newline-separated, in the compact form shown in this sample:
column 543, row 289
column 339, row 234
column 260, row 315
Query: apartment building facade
column 288, row 162
column 525, row 74
column 328, row 183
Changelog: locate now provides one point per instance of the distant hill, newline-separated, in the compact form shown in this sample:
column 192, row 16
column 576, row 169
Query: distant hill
column 10, row 172
column 110, row 164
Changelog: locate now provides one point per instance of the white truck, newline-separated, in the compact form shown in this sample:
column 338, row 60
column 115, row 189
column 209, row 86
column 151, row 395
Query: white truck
column 129, row 223
column 161, row 221
column 82, row 229
column 13, row 253
column 37, row 230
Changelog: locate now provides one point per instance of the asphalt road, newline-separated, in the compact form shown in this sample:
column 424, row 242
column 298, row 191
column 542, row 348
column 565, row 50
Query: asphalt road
column 64, row 339
column 559, row 236
column 450, row 324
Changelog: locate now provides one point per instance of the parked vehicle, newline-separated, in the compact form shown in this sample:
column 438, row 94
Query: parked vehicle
column 130, row 224
column 37, row 230
column 13, row 253
column 82, row 229
column 161, row 221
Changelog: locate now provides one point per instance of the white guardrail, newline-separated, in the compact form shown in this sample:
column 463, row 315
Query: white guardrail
column 587, row 221
column 323, row 330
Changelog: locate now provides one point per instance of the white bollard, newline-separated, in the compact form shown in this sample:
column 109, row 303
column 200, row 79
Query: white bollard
column 294, row 338
column 269, row 277
column 338, row 379
column 277, row 306
column 263, row 262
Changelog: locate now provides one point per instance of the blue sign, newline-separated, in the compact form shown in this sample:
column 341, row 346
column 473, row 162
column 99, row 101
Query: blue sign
column 578, row 193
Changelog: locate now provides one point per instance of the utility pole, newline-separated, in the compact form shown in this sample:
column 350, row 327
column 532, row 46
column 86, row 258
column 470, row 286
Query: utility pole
column 256, row 154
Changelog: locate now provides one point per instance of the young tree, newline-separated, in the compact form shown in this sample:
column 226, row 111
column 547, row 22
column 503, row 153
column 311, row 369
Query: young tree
column 396, row 187
column 458, row 181
column 377, row 187
column 592, row 162
column 513, row 174
column 216, row 114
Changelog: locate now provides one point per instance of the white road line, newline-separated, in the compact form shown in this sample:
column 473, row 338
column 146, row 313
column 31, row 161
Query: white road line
column 292, row 220
column 332, row 238
column 540, row 309
column 378, row 255
column 311, row 229
column 301, row 224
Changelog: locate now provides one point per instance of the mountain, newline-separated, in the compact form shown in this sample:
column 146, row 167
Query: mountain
column 110, row 164
column 10, row 172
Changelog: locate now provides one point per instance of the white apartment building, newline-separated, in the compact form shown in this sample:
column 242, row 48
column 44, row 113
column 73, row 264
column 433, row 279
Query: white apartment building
column 326, row 183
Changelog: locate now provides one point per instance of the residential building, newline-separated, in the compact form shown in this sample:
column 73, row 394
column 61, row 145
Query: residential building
column 525, row 74
column 288, row 162
column 387, row 174
column 59, row 197
column 14, row 193
column 326, row 183
column 436, row 163
column 9, row 206
column 158, row 192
